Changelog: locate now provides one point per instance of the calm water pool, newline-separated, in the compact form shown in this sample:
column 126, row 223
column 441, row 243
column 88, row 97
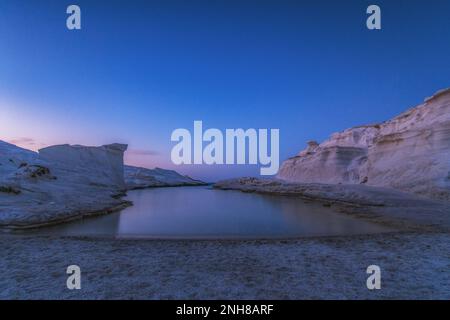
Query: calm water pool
column 202, row 212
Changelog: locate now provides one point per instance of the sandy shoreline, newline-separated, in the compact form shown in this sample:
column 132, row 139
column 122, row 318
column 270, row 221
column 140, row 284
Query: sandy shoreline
column 75, row 216
column 414, row 266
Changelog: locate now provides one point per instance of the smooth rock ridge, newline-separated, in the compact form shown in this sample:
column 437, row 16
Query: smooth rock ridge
column 410, row 152
column 138, row 178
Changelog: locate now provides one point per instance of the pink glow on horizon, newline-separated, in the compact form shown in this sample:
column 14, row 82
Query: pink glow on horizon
column 26, row 143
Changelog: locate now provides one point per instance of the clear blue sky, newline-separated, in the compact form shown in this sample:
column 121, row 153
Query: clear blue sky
column 139, row 69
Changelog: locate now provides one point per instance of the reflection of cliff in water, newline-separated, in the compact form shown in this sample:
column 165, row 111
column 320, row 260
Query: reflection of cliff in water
column 105, row 225
column 201, row 212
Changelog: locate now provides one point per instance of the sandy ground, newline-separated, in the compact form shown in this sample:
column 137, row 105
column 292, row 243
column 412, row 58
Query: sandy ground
column 413, row 266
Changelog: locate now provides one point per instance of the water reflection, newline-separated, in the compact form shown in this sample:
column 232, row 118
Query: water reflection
column 201, row 212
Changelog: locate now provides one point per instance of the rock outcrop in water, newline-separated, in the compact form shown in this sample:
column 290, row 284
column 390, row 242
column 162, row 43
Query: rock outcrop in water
column 410, row 152
column 59, row 183
column 139, row 178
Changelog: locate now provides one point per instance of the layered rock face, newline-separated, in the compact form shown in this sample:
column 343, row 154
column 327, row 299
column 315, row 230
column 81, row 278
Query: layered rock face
column 410, row 152
column 58, row 183
column 101, row 166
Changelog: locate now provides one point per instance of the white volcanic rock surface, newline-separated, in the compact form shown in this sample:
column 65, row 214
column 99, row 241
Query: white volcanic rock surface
column 410, row 152
column 138, row 178
column 101, row 166
column 58, row 183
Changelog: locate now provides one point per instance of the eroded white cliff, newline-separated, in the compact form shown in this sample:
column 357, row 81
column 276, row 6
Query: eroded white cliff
column 410, row 152
column 58, row 183
column 101, row 166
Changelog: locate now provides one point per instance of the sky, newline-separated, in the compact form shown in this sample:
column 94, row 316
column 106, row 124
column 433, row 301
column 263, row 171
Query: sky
column 137, row 70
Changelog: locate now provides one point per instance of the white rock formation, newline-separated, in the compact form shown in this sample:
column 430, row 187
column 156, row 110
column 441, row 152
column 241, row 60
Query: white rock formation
column 101, row 166
column 11, row 158
column 410, row 152
column 59, row 183
column 138, row 178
